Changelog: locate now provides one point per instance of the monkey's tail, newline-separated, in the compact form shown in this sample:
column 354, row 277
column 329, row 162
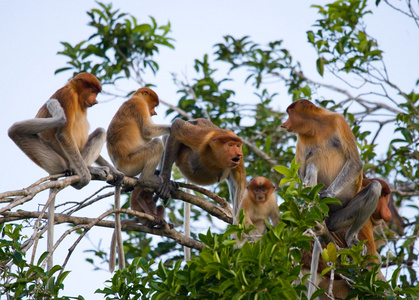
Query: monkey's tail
column 117, row 237
column 112, row 254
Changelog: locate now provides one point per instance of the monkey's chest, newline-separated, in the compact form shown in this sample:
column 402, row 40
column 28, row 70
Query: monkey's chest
column 329, row 162
column 81, row 132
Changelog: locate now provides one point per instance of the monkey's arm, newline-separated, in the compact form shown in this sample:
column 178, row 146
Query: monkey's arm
column 353, row 164
column 237, row 185
column 347, row 176
column 68, row 145
column 151, row 130
column 310, row 178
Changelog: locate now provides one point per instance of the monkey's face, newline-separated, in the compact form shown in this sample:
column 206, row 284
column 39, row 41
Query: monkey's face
column 233, row 153
column 294, row 119
column 88, row 97
column 260, row 194
column 297, row 113
column 152, row 104
column 152, row 112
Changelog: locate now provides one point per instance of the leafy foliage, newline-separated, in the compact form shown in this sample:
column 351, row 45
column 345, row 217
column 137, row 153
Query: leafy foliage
column 120, row 47
column 22, row 279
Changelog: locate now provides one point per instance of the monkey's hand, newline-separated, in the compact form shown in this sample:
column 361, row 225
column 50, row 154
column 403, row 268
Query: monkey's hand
column 159, row 221
column 326, row 194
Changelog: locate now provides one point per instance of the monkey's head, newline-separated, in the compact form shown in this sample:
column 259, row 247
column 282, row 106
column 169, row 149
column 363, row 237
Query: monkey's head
column 87, row 86
column 297, row 114
column 150, row 97
column 260, row 187
column 227, row 147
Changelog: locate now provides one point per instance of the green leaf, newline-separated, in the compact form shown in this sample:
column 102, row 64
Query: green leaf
column 320, row 65
column 283, row 170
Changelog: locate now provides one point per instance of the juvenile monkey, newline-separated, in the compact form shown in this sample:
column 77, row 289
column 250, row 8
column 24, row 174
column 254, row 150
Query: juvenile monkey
column 259, row 204
column 141, row 201
column 134, row 149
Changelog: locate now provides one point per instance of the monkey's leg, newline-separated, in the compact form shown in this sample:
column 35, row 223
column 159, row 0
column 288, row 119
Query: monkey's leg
column 93, row 147
column 152, row 153
column 25, row 135
column 356, row 213
column 171, row 152
column 91, row 154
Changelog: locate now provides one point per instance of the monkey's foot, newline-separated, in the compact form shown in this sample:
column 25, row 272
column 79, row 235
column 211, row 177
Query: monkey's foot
column 321, row 230
column 353, row 241
column 166, row 189
column 101, row 173
column 117, row 177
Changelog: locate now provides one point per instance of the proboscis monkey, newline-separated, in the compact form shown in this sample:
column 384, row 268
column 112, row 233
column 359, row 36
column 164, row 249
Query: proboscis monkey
column 259, row 204
column 327, row 150
column 57, row 139
column 380, row 214
column 205, row 154
column 133, row 148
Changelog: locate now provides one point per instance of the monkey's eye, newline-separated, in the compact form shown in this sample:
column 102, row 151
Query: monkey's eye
column 230, row 144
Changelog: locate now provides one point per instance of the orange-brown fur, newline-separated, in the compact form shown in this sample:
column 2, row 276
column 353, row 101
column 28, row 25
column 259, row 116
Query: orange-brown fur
column 57, row 138
column 132, row 129
column 134, row 149
column 205, row 154
column 316, row 127
column 61, row 138
column 259, row 204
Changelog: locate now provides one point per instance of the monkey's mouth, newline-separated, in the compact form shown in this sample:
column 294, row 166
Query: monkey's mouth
column 235, row 161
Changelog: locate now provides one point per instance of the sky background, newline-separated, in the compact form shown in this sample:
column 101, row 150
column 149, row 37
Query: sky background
column 31, row 32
